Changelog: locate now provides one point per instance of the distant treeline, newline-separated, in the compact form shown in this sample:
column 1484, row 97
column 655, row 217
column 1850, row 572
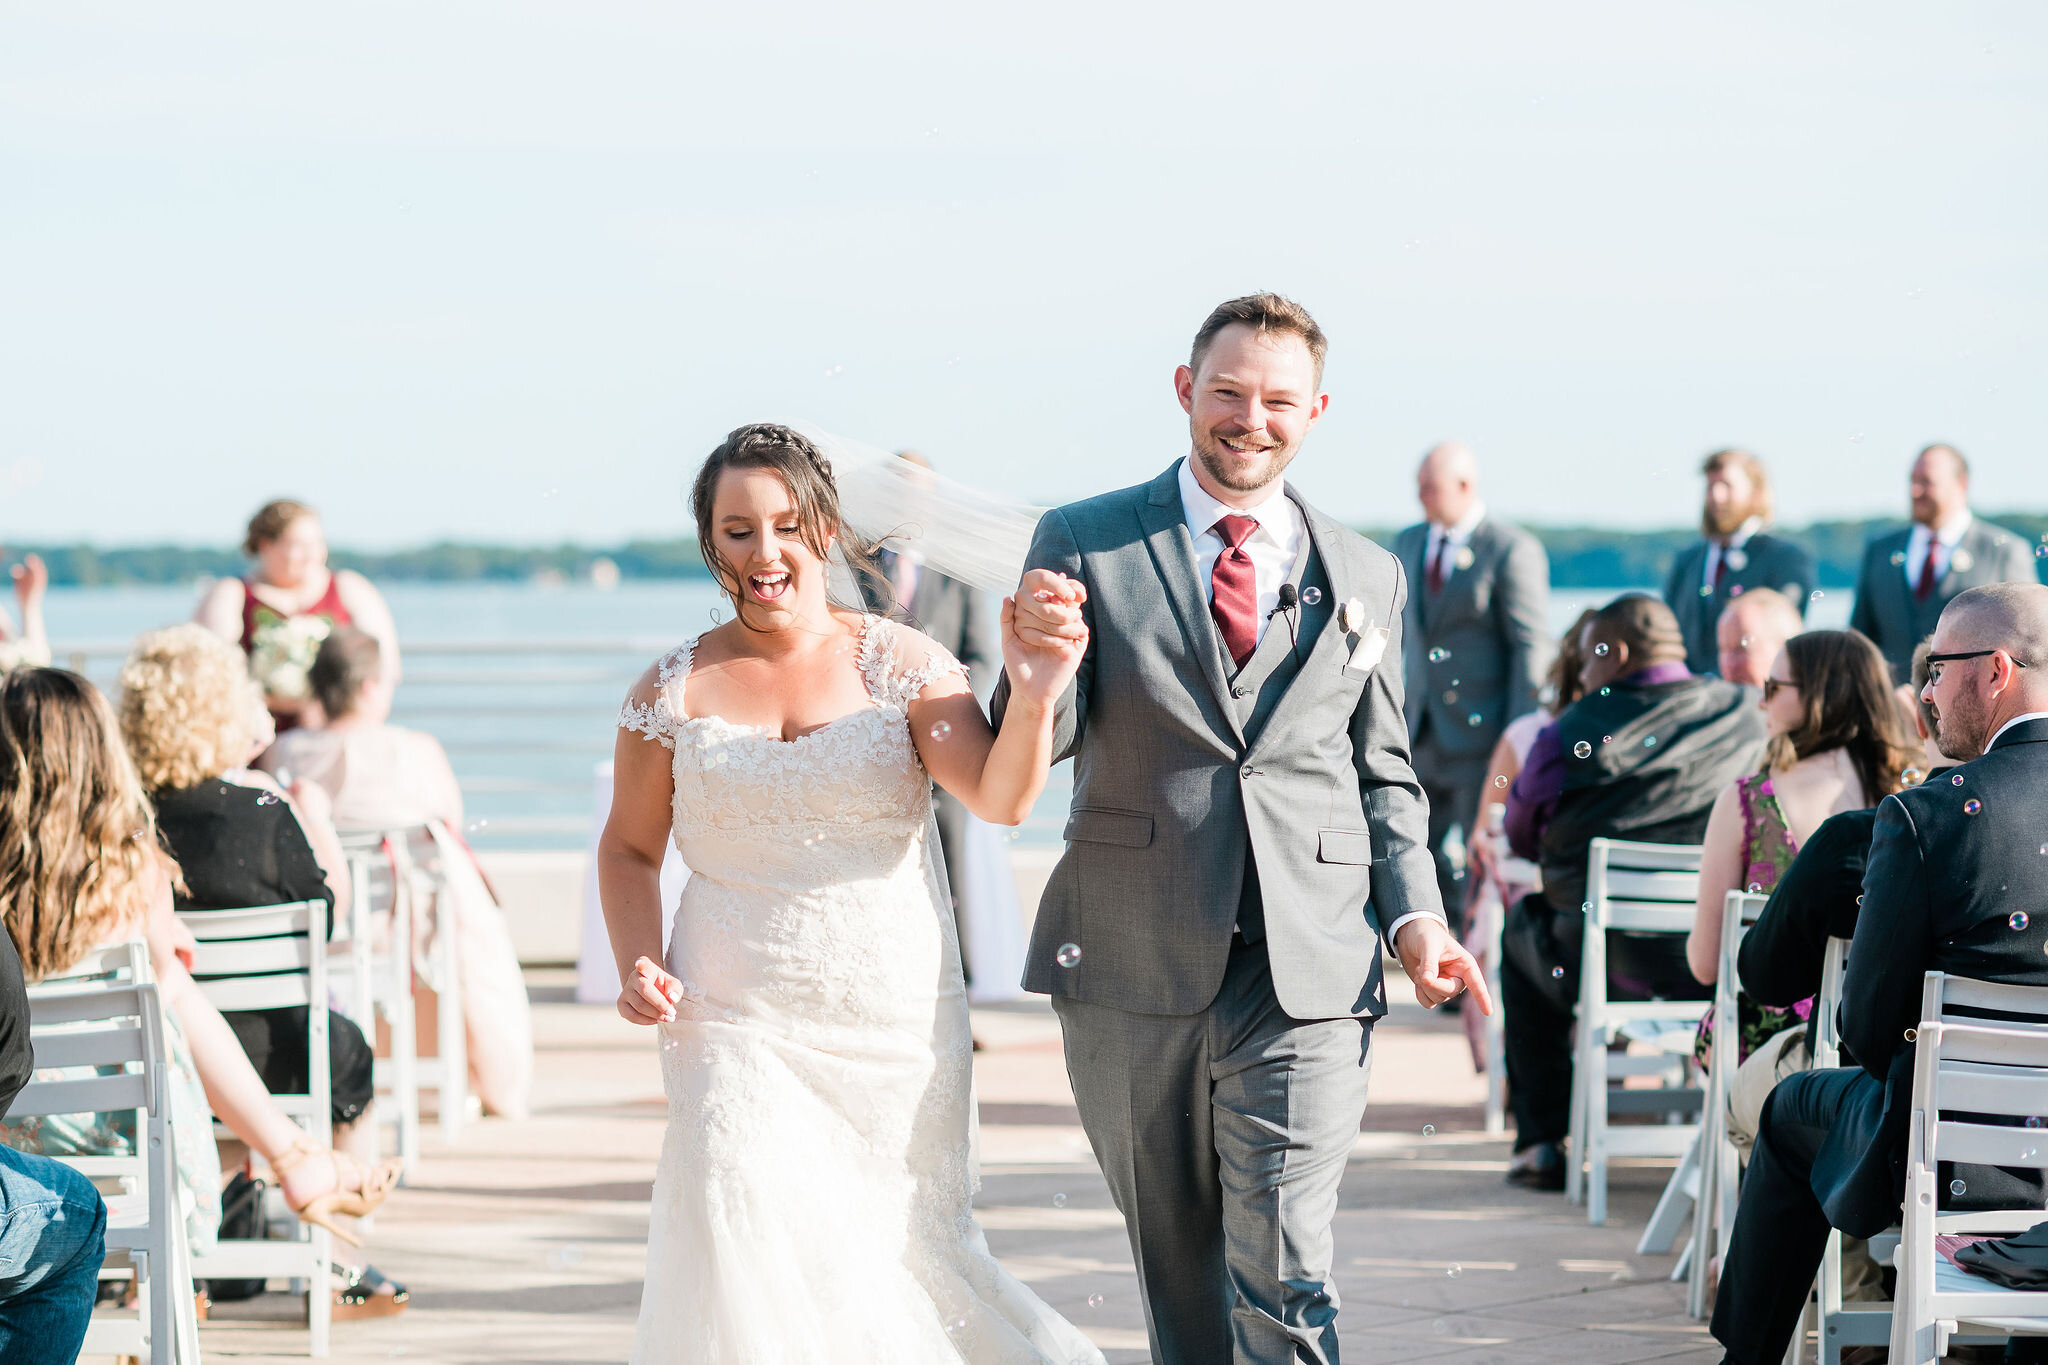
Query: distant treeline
column 1580, row 557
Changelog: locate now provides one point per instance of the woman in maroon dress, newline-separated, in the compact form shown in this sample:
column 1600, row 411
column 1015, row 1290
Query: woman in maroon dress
column 282, row 611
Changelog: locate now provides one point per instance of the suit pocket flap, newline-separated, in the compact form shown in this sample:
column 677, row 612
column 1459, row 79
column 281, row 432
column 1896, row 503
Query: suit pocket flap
column 1127, row 828
column 1344, row 846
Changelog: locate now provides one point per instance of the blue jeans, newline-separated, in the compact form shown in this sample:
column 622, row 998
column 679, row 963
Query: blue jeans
column 53, row 1236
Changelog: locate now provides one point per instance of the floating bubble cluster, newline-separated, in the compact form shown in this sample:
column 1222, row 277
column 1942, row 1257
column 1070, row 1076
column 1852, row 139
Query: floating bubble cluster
column 1649, row 741
column 1439, row 654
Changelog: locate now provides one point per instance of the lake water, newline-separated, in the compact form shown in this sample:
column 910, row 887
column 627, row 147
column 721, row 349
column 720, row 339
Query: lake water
column 522, row 683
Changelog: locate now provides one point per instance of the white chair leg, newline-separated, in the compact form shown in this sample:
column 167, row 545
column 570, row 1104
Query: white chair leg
column 187, row 1310
column 454, row 1037
column 1596, row 1135
column 1575, row 1156
column 320, row 1295
column 1680, row 1192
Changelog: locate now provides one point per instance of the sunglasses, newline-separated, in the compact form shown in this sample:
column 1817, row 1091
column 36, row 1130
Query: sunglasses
column 1773, row 686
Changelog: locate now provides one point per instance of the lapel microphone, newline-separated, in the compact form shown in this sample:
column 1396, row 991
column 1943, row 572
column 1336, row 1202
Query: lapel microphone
column 1290, row 597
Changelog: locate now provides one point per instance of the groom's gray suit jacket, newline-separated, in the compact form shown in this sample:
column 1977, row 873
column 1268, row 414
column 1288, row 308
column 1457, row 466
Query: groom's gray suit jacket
column 1205, row 795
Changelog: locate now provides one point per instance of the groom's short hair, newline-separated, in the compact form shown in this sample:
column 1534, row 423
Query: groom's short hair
column 1262, row 313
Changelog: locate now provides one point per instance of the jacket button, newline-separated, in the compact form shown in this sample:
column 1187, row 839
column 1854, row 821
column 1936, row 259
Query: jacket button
column 1240, row 691
column 1249, row 771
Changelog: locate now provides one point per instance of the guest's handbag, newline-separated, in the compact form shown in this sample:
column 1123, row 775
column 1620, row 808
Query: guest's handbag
column 241, row 1219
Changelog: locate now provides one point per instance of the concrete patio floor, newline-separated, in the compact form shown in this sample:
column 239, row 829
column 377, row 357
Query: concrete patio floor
column 524, row 1242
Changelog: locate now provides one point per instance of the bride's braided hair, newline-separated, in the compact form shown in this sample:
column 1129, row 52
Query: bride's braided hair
column 807, row 473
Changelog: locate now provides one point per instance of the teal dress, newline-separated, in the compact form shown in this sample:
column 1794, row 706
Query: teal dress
column 1768, row 849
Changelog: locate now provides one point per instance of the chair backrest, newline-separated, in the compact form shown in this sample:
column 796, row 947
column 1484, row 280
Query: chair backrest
column 117, row 1029
column 1739, row 911
column 1995, row 1067
column 1827, row 1039
column 263, row 957
column 1644, row 887
column 120, row 964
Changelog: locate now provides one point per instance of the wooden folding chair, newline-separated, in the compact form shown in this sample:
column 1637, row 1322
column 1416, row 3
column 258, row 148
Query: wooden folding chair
column 275, row 957
column 1636, row 888
column 116, row 1028
column 1989, row 1068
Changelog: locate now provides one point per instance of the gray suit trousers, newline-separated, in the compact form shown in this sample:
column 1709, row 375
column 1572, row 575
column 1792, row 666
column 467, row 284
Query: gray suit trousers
column 1229, row 1206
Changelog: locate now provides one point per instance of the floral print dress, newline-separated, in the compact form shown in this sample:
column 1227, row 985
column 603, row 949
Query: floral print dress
column 1768, row 849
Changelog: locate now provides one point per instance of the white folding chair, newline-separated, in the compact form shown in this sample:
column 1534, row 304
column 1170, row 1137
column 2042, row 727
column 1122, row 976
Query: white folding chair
column 275, row 957
column 380, row 983
column 1989, row 1068
column 116, row 1026
column 1711, row 1162
column 1493, row 1028
column 1633, row 888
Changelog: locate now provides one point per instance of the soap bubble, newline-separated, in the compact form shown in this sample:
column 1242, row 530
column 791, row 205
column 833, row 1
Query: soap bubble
column 2033, row 1120
column 1473, row 719
column 1955, row 779
column 1429, row 1130
column 1455, row 1271
column 1557, row 973
column 474, row 825
column 1706, row 590
column 1582, row 750
column 1502, row 783
column 1439, row 654
column 1605, row 690
column 1440, row 1327
column 942, row 730
column 2044, row 847
column 1059, row 1201
column 1816, row 595
column 1607, row 739
column 957, row 1326
column 1972, row 806
column 267, row 799
column 1911, row 777
column 1898, row 558
column 2030, row 1154
column 1956, row 1187
column 1095, row 1300
column 1600, row 649
column 2018, row 919
column 1756, row 888
column 1068, row 955
column 1650, row 742
column 1309, row 597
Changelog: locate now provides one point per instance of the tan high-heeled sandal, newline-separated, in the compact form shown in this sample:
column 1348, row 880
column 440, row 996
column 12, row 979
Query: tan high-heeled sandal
column 371, row 1185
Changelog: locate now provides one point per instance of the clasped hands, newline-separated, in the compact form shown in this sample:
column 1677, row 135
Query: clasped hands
column 1044, row 634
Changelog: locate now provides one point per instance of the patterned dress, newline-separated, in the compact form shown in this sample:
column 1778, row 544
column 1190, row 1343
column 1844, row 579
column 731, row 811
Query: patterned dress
column 1767, row 850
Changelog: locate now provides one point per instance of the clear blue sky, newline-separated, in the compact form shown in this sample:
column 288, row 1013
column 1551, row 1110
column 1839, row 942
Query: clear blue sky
column 506, row 271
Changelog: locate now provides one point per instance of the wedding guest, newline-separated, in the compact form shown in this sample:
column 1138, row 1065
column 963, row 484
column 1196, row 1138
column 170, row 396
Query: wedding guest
column 81, row 868
column 1909, row 576
column 1641, row 755
column 188, row 714
column 30, row 643
column 381, row 776
column 1734, row 556
column 282, row 611
column 1751, row 631
column 1473, row 642
column 963, row 622
column 1835, row 747
column 1953, row 867
column 53, row 1223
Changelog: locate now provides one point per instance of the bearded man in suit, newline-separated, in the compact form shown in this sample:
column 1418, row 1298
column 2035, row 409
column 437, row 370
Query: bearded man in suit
column 1734, row 555
column 1950, row 863
column 1474, row 640
column 1910, row 576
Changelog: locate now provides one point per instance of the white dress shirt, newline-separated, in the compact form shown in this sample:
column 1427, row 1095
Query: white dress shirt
column 2016, row 720
column 1715, row 549
column 1941, row 543
column 1272, row 547
column 1451, row 539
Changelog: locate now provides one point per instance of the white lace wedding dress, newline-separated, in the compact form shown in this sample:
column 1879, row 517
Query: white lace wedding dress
column 813, row 1201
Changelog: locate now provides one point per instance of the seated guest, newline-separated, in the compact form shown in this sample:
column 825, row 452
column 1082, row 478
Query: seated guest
column 82, row 870
column 30, row 645
column 381, row 776
column 1951, row 866
column 1751, row 631
column 282, row 611
column 189, row 714
column 1835, row 747
column 53, row 1224
column 1641, row 755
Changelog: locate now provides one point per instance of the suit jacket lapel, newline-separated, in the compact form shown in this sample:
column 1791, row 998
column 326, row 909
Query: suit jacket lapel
column 1326, row 655
column 1173, row 553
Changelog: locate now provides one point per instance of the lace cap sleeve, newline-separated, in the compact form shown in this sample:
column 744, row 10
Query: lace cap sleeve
column 655, row 705
column 898, row 663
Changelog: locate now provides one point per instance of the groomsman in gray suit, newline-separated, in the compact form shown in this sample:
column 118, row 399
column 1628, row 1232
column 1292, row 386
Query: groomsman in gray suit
column 1474, row 640
column 1246, row 827
column 1733, row 555
column 1909, row 575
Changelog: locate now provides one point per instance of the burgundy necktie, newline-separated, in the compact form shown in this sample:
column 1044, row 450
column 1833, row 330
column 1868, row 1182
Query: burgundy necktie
column 1720, row 568
column 1234, row 589
column 1925, row 588
column 1436, row 565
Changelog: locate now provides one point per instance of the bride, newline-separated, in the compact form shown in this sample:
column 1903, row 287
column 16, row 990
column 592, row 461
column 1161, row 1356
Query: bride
column 813, row 1199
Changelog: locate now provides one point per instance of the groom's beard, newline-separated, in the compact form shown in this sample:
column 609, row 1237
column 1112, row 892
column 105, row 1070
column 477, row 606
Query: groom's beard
column 1224, row 467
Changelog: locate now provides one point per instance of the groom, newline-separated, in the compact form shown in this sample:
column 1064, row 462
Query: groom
column 1245, row 827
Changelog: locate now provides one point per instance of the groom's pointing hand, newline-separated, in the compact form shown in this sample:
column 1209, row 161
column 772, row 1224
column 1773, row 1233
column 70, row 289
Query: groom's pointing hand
column 1438, row 964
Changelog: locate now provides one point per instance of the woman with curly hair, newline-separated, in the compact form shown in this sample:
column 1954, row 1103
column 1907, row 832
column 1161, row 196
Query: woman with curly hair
column 81, row 869
column 280, row 613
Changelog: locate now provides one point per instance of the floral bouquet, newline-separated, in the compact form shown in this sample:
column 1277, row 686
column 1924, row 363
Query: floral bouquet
column 282, row 652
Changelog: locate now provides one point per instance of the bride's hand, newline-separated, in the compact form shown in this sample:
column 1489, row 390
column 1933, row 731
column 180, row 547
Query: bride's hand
column 649, row 995
column 1044, row 640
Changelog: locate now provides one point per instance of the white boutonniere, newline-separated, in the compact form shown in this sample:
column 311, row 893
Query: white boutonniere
column 1465, row 559
column 1961, row 560
column 1736, row 560
column 1368, row 641
column 1351, row 616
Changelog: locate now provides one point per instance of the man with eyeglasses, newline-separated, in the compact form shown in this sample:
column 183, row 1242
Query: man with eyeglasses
column 1956, row 881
